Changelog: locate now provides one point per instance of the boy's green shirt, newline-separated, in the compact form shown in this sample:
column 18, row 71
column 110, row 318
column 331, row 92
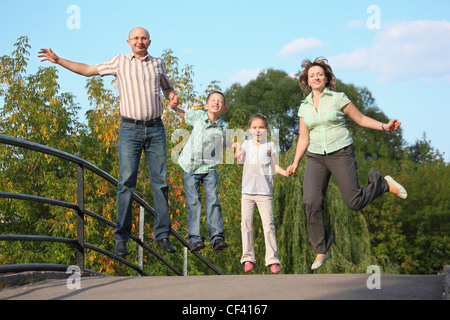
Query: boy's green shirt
column 203, row 151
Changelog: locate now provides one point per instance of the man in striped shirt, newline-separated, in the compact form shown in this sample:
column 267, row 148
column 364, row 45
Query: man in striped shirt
column 140, row 80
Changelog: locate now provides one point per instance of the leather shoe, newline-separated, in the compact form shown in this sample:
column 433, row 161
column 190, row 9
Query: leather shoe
column 121, row 249
column 166, row 245
column 219, row 245
column 197, row 246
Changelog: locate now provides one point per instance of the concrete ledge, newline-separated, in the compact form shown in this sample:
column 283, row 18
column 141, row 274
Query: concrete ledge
column 30, row 277
column 447, row 283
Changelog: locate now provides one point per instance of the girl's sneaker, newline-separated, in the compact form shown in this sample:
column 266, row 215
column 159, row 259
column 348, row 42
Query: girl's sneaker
column 274, row 268
column 248, row 266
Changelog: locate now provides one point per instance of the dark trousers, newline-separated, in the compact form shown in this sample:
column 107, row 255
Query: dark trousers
column 342, row 165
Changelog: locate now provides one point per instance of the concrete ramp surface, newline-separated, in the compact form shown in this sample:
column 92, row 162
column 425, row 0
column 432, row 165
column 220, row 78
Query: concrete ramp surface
column 235, row 288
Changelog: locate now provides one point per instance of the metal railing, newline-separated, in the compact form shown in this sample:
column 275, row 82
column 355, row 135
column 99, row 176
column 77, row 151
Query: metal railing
column 81, row 211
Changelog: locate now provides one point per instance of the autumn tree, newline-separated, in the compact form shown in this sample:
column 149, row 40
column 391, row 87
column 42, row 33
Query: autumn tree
column 34, row 110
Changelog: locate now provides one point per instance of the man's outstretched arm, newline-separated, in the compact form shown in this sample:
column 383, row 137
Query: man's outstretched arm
column 76, row 67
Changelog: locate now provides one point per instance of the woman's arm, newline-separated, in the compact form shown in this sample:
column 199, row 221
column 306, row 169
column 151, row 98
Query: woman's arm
column 302, row 145
column 367, row 122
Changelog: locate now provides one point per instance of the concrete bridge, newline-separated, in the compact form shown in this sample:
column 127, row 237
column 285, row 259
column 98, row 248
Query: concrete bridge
column 234, row 287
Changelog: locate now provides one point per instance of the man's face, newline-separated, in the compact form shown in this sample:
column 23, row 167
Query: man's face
column 139, row 41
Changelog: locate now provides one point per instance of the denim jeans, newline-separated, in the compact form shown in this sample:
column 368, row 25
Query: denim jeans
column 213, row 210
column 132, row 140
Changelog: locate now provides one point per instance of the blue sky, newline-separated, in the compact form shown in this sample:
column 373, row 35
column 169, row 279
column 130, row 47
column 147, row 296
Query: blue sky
column 399, row 50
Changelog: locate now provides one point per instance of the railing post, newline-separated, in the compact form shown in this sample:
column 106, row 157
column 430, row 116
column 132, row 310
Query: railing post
column 185, row 261
column 141, row 237
column 80, row 218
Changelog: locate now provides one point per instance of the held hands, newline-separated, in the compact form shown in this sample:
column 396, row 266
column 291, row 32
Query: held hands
column 48, row 55
column 174, row 101
column 288, row 172
column 292, row 169
column 239, row 155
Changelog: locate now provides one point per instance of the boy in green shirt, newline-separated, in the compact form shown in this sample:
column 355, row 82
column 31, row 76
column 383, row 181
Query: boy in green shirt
column 199, row 160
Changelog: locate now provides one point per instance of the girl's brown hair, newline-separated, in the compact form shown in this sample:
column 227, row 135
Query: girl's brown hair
column 323, row 63
column 258, row 116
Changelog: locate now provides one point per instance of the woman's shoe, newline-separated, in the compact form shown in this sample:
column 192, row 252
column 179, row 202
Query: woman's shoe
column 401, row 190
column 318, row 264
column 274, row 268
column 248, row 266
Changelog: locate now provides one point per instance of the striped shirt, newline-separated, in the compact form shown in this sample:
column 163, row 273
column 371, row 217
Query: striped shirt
column 139, row 83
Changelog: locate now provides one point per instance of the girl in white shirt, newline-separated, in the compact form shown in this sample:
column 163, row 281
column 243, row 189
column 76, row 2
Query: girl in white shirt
column 259, row 160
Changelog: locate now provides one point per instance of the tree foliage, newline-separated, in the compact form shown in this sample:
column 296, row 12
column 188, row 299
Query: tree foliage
column 401, row 236
column 273, row 93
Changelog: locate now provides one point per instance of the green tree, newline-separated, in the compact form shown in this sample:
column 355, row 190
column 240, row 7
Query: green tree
column 273, row 93
column 34, row 110
column 414, row 233
column 371, row 144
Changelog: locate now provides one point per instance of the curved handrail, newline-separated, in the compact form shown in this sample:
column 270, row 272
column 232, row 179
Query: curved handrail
column 87, row 165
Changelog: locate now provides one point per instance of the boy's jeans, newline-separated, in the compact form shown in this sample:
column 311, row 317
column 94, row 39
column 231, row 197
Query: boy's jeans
column 133, row 139
column 213, row 210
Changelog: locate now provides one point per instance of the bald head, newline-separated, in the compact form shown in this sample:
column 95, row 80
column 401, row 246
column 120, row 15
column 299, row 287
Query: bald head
column 138, row 30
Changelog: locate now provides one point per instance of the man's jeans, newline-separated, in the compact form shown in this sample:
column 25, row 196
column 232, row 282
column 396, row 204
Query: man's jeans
column 213, row 210
column 133, row 139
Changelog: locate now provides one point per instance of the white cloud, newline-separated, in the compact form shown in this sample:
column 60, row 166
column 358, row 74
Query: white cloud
column 244, row 76
column 299, row 46
column 403, row 50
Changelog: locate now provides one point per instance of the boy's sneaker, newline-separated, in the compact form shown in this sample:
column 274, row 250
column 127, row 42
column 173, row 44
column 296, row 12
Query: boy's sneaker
column 219, row 245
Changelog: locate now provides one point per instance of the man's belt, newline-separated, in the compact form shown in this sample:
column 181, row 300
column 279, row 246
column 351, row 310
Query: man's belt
column 150, row 122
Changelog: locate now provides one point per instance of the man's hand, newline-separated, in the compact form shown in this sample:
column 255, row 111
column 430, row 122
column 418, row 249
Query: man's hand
column 174, row 101
column 48, row 55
